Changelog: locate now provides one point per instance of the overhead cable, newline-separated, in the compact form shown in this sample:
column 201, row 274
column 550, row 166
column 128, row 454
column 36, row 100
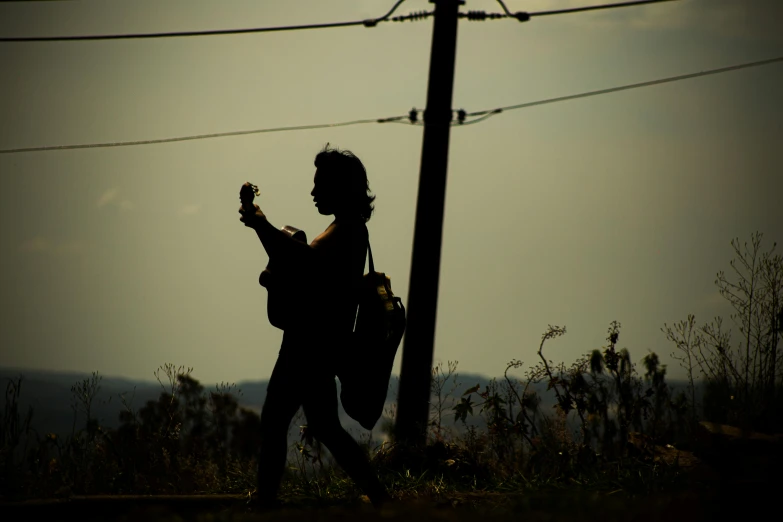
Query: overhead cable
column 199, row 136
column 480, row 116
column 372, row 22
column 412, row 117
column 596, row 7
column 491, row 112
column 524, row 16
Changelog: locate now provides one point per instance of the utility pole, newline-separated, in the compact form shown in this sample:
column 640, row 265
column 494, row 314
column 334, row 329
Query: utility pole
column 413, row 404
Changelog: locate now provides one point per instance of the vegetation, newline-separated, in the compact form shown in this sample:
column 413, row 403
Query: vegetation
column 743, row 381
column 610, row 431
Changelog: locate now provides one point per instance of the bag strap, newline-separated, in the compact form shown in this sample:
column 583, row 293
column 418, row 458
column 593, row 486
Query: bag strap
column 369, row 251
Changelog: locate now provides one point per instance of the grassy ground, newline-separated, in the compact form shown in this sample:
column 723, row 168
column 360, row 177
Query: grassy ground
column 550, row 506
column 632, row 450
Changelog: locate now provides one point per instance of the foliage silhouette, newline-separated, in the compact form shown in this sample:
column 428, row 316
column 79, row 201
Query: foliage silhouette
column 608, row 430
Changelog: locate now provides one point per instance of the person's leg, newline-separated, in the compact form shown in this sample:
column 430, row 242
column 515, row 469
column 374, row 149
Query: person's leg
column 320, row 408
column 283, row 399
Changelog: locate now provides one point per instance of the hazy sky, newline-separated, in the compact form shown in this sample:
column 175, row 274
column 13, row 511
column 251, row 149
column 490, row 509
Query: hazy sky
column 614, row 207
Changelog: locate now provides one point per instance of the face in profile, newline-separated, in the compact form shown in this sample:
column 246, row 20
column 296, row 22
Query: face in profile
column 325, row 194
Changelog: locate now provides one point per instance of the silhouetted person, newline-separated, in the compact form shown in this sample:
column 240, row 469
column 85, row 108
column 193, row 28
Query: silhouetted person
column 304, row 374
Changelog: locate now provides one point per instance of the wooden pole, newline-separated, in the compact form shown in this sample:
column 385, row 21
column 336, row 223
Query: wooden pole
column 417, row 353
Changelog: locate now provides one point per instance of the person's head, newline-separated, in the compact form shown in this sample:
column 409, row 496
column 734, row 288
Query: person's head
column 340, row 185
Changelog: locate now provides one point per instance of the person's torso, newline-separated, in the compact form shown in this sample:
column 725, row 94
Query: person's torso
column 342, row 250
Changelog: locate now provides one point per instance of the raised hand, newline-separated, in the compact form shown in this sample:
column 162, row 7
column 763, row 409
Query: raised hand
column 247, row 192
column 249, row 213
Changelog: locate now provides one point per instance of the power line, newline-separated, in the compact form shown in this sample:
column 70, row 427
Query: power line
column 198, row 136
column 524, row 16
column 411, row 117
column 485, row 114
column 491, row 112
column 597, row 7
column 372, row 22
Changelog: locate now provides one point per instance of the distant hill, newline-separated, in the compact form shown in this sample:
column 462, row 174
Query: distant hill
column 49, row 394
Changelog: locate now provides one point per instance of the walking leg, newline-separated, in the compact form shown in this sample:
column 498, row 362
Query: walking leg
column 320, row 407
column 281, row 403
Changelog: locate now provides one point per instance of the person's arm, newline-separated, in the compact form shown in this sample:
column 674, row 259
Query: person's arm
column 275, row 240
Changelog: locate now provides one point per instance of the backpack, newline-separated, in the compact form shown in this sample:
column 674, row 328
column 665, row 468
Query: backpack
column 366, row 368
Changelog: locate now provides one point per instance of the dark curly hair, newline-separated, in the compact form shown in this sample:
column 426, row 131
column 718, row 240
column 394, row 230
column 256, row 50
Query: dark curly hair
column 345, row 169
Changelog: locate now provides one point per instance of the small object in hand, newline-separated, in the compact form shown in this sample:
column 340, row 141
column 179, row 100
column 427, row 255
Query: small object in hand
column 248, row 210
column 246, row 194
